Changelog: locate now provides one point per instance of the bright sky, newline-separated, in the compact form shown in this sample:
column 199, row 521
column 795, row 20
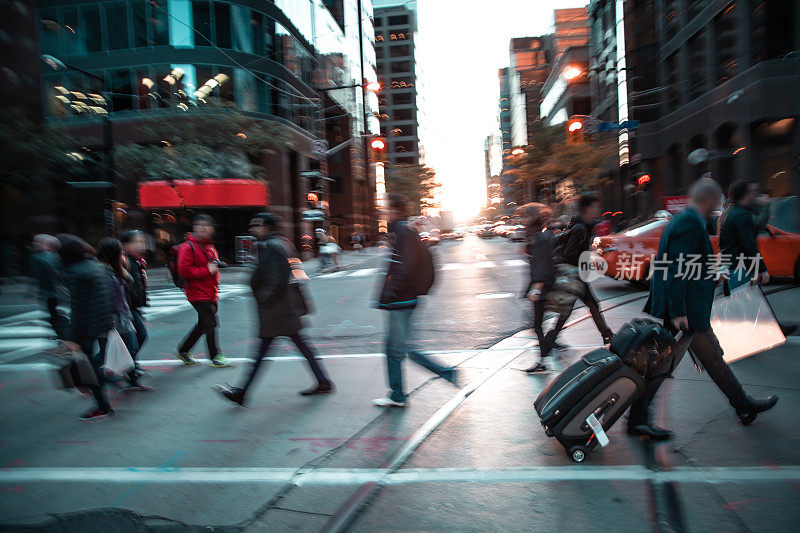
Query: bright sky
column 460, row 47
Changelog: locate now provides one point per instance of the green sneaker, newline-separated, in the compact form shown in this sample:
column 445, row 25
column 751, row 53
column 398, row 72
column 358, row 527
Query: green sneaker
column 220, row 361
column 186, row 358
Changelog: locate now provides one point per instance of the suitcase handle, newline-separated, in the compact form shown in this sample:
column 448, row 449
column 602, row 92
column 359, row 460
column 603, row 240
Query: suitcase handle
column 600, row 411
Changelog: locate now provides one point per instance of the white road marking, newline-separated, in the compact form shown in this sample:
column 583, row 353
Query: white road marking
column 515, row 262
column 333, row 274
column 480, row 257
column 485, row 264
column 452, row 266
column 363, row 272
column 494, row 295
column 357, row 476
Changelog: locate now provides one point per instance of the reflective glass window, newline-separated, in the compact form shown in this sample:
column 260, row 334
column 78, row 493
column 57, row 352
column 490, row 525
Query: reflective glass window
column 222, row 24
column 242, row 29
column 145, row 89
column 49, row 30
column 73, row 34
column 225, row 78
column 139, row 15
column 201, row 17
column 117, row 24
column 257, row 31
column 159, row 21
column 92, row 28
column 121, row 90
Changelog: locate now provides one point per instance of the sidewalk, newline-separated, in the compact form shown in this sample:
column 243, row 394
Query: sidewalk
column 181, row 453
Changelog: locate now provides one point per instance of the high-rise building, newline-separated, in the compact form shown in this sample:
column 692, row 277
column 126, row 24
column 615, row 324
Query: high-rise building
column 531, row 59
column 293, row 63
column 571, row 28
column 493, row 159
column 395, row 29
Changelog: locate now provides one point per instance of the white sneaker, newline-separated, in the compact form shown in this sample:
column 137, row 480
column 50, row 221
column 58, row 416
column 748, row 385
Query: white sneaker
column 387, row 402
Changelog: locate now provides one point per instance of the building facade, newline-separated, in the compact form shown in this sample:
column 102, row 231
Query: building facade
column 395, row 30
column 278, row 62
column 729, row 77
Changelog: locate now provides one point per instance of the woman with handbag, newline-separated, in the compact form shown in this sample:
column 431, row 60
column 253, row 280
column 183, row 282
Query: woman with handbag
column 110, row 253
column 280, row 303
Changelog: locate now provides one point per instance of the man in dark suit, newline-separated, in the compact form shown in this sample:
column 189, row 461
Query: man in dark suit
column 682, row 295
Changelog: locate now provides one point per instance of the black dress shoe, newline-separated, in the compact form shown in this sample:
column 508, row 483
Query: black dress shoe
column 749, row 415
column 321, row 388
column 234, row 394
column 651, row 432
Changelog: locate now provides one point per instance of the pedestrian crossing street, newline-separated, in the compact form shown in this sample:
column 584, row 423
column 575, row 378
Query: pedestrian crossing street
column 445, row 267
column 30, row 333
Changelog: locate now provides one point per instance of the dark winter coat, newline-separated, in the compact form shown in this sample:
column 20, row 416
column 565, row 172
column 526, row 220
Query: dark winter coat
column 45, row 269
column 400, row 289
column 136, row 287
column 673, row 295
column 540, row 259
column 578, row 240
column 737, row 236
column 91, row 301
column 278, row 314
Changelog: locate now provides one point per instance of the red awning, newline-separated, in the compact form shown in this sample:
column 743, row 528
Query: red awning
column 203, row 193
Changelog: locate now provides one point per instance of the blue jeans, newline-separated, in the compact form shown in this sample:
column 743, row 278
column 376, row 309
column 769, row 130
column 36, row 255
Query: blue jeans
column 141, row 329
column 397, row 347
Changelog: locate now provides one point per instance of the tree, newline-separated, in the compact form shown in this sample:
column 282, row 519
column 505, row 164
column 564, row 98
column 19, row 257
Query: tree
column 415, row 182
column 550, row 157
column 213, row 141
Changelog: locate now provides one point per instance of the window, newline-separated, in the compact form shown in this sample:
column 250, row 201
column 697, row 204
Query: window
column 159, row 22
column 121, row 89
column 201, row 15
column 222, row 24
column 697, row 65
column 92, row 29
column 378, row 22
column 139, row 11
column 405, row 160
column 398, row 20
column 403, row 114
column 242, row 29
column 772, row 28
column 403, row 98
column 399, row 66
column 725, row 31
column 400, row 51
column 257, row 22
column 671, row 17
column 379, row 52
column 49, row 30
column 117, row 24
column 225, row 78
column 144, row 87
column 673, row 87
column 73, row 32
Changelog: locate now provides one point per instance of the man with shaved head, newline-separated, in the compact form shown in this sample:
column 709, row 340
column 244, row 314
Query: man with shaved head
column 46, row 270
column 682, row 296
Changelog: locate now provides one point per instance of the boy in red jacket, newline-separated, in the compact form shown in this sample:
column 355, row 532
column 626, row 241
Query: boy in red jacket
column 198, row 265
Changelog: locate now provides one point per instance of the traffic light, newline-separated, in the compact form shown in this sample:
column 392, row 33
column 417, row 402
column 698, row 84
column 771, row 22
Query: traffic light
column 378, row 145
column 643, row 182
column 575, row 130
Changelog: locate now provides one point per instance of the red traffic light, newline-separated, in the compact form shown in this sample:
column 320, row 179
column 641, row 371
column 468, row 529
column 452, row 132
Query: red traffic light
column 575, row 126
column 644, row 178
column 312, row 197
column 378, row 144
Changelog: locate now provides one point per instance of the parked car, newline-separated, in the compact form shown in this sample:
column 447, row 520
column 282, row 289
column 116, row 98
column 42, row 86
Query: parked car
column 629, row 253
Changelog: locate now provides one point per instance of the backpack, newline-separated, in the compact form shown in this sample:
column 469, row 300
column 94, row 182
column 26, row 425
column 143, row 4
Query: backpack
column 427, row 270
column 172, row 266
column 172, row 263
column 559, row 242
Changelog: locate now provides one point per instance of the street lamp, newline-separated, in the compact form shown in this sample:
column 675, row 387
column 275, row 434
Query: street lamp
column 571, row 72
column 108, row 136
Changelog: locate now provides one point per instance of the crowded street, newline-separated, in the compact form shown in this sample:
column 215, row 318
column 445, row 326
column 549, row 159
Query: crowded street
column 181, row 454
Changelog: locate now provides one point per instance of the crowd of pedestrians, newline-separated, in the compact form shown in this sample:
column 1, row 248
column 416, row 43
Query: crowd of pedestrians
column 107, row 289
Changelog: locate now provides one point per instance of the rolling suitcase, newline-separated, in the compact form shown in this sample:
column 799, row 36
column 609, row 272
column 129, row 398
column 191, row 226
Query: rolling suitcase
column 585, row 400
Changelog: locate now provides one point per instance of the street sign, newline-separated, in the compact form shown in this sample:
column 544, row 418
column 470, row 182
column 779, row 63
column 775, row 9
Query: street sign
column 625, row 125
column 675, row 204
column 319, row 147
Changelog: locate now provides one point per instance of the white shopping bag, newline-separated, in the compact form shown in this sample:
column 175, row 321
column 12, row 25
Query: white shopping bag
column 744, row 323
column 118, row 359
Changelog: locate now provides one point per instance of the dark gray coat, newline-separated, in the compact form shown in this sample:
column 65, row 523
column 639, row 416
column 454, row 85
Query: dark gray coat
column 278, row 314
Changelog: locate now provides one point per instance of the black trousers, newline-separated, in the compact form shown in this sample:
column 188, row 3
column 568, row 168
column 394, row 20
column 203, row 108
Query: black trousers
column 546, row 341
column 206, row 325
column 302, row 345
column 97, row 360
column 706, row 349
column 56, row 318
column 590, row 301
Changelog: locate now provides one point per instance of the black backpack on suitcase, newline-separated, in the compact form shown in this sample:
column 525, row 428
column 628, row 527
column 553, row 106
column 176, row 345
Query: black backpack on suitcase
column 597, row 384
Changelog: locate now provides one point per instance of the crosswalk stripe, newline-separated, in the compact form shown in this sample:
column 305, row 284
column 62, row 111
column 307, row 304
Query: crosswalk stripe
column 363, row 272
column 452, row 266
column 336, row 274
column 485, row 264
column 515, row 262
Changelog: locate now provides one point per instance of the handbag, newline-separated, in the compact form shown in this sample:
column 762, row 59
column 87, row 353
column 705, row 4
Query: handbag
column 75, row 370
column 118, row 359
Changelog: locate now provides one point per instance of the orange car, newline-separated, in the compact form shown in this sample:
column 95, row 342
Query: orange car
column 628, row 254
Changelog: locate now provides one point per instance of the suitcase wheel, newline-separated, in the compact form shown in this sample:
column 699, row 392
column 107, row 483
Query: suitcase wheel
column 577, row 453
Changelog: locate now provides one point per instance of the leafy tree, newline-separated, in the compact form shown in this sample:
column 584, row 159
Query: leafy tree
column 416, row 182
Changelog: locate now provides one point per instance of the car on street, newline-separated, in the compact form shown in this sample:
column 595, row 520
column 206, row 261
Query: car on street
column 629, row 253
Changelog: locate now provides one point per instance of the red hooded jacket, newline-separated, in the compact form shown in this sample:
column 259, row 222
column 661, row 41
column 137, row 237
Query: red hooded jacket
column 201, row 285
